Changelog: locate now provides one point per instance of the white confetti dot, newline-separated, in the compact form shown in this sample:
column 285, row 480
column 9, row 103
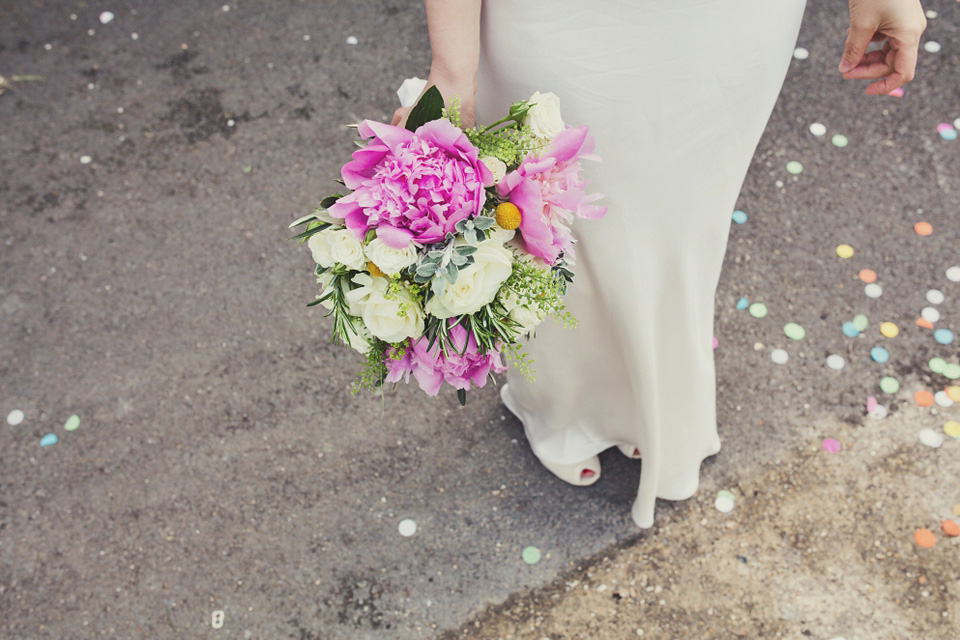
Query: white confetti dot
column 723, row 504
column 835, row 362
column 15, row 417
column 956, row 123
column 407, row 527
column 779, row 356
column 306, row 38
column 934, row 296
column 48, row 46
column 818, row 129
column 352, row 40
column 873, row 290
column 930, row 314
column 930, row 438
column 953, row 273
column 106, row 17
column 931, row 14
column 135, row 36
column 800, row 53
column 931, row 46
column 942, row 399
column 90, row 32
column 231, row 122
column 85, row 159
column 226, row 7
column 879, row 412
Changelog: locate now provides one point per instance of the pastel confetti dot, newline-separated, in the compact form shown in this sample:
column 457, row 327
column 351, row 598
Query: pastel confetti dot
column 873, row 290
column 817, row 129
column 352, row 40
column 794, row 331
column 953, row 273
column 930, row 314
column 889, row 385
column 942, row 399
column 850, row 330
column 952, row 428
column 531, row 555
column 835, row 362
column 871, row 403
column 953, row 393
column 937, row 365
column 15, row 417
column 860, row 322
column 931, row 14
column 949, row 134
column 800, row 53
column 896, row 93
column 758, row 310
column 742, row 304
column 794, row 167
column 723, row 493
column 739, row 217
column 952, row 371
column 407, row 527
column 879, row 354
column 930, row 438
column 950, row 528
column 889, row 329
column 72, row 423
column 723, row 504
column 934, row 296
column 924, row 323
column 106, row 17
column 955, row 510
column 924, row 538
column 845, row 251
column 956, row 123
column 868, row 275
column 923, row 228
column 943, row 336
column 931, row 46
column 879, row 412
column 49, row 439
column 831, row 445
column 779, row 356
column 923, row 398
column 839, row 140
column 715, row 343
column 85, row 159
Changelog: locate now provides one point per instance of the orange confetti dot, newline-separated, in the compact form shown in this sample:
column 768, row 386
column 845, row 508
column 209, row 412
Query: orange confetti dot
column 950, row 528
column 923, row 398
column 926, row 324
column 925, row 538
column 868, row 275
column 923, row 228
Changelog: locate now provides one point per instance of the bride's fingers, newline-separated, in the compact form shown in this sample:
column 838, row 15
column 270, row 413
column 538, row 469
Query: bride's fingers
column 875, row 64
column 904, row 66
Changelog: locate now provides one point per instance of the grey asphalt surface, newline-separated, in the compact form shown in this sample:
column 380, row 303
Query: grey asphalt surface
column 222, row 463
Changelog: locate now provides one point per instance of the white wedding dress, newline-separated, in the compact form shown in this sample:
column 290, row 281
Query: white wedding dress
column 677, row 94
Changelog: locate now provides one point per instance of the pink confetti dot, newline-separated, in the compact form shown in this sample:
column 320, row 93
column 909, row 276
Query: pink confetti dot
column 871, row 404
column 944, row 126
column 830, row 445
column 715, row 342
column 896, row 93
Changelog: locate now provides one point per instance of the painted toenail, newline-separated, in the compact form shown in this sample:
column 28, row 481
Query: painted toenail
column 586, row 473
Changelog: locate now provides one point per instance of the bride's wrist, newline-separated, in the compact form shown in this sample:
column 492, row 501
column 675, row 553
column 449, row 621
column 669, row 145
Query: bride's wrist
column 463, row 82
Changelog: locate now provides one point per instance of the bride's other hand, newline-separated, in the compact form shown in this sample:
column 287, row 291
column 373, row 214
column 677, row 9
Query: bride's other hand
column 466, row 90
column 899, row 23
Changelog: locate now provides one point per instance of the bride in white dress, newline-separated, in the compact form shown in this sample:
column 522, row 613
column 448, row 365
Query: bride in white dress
column 676, row 94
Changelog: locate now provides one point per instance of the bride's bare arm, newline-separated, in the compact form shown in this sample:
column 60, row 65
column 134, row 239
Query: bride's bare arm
column 454, row 27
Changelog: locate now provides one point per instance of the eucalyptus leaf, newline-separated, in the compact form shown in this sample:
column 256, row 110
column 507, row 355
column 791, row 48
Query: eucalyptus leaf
column 451, row 272
column 458, row 259
column 466, row 250
column 438, row 285
column 483, row 222
column 427, row 109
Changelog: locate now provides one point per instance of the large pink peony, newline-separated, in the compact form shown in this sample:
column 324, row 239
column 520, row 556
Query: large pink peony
column 412, row 185
column 549, row 192
column 431, row 368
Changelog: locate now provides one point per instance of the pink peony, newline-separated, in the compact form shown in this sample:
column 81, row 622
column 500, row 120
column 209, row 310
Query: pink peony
column 548, row 190
column 412, row 185
column 431, row 368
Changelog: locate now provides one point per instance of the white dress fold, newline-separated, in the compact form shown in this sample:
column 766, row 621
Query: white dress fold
column 677, row 94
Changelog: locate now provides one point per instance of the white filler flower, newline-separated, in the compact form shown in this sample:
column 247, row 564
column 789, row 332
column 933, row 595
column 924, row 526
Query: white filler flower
column 496, row 166
column 544, row 117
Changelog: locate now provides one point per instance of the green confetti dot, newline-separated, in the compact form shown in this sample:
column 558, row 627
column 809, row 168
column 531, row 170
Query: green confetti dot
column 937, row 365
column 794, row 167
column 72, row 423
column 860, row 322
column 247, row 169
column 758, row 309
column 952, row 371
column 839, row 140
column 794, row 331
column 723, row 493
column 889, row 385
column 531, row 555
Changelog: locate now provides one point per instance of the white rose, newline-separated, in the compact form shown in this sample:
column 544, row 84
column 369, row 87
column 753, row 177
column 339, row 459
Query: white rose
column 498, row 234
column 359, row 343
column 476, row 284
column 319, row 244
column 391, row 319
column 324, row 280
column 496, row 166
column 527, row 314
column 390, row 260
column 544, row 117
column 346, row 249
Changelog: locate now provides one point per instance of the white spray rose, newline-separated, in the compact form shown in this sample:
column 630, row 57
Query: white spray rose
column 544, row 117
column 496, row 166
column 390, row 260
column 477, row 284
column 337, row 245
column 391, row 319
column 359, row 343
column 527, row 313
column 498, row 234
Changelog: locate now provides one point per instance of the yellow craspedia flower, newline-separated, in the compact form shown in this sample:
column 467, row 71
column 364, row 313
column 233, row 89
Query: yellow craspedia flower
column 374, row 269
column 508, row 216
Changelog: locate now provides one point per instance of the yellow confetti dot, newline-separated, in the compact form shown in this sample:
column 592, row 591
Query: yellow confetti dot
column 889, row 329
column 953, row 392
column 952, row 428
column 845, row 251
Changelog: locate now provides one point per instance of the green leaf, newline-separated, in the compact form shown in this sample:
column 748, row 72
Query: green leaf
column 438, row 285
column 300, row 221
column 315, row 302
column 427, row 109
column 462, row 396
column 329, row 200
column 311, row 231
column 466, row 250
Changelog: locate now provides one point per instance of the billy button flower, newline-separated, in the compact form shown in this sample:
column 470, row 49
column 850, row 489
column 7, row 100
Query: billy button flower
column 508, row 216
column 374, row 270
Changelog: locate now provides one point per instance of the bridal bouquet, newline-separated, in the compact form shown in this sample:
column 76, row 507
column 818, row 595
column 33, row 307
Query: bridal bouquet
column 451, row 244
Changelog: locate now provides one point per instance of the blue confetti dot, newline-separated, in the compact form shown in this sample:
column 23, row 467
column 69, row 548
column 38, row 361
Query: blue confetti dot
column 879, row 354
column 850, row 330
column 949, row 134
column 47, row 440
column 742, row 304
column 943, row 336
column 739, row 217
